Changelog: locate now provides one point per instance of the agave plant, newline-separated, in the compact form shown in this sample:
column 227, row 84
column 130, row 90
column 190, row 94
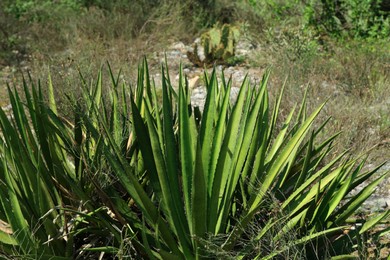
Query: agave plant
column 46, row 205
column 164, row 180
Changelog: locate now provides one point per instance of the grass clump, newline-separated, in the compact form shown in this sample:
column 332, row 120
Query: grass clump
column 129, row 176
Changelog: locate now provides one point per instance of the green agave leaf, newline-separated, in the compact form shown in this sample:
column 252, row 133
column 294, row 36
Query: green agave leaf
column 41, row 130
column 313, row 193
column 170, row 151
column 142, row 85
column 354, row 203
column 115, row 123
column 15, row 217
column 289, row 164
column 282, row 159
column 305, row 168
column 298, row 195
column 274, row 117
column 223, row 169
column 207, row 129
column 22, row 123
column 7, row 238
column 170, row 189
column 269, row 178
column 105, row 249
column 333, row 194
column 97, row 90
column 131, row 184
column 340, row 194
column 291, row 224
column 280, row 139
column 187, row 134
column 199, row 201
column 222, row 91
column 147, row 248
column 146, row 205
column 157, row 111
column 360, row 178
column 175, row 216
column 52, row 100
column 383, row 232
column 244, row 143
column 146, row 150
column 218, row 138
column 374, row 221
column 256, row 170
column 29, row 100
column 172, row 92
column 237, row 163
column 302, row 111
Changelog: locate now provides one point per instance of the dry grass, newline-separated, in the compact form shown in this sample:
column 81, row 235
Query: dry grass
column 353, row 76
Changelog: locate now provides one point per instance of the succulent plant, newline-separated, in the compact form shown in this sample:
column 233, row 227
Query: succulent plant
column 133, row 177
column 217, row 45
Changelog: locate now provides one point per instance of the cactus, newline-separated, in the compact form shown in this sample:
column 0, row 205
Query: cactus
column 217, row 45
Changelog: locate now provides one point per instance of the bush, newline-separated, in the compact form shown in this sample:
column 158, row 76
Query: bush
column 131, row 176
column 358, row 19
column 33, row 10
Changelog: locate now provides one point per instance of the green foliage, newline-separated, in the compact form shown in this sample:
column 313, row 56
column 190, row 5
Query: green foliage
column 354, row 18
column 274, row 12
column 279, row 8
column 47, row 10
column 131, row 176
column 219, row 43
column 41, row 187
column 34, row 10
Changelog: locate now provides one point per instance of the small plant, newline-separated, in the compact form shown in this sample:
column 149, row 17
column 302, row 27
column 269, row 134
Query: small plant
column 217, row 45
column 133, row 177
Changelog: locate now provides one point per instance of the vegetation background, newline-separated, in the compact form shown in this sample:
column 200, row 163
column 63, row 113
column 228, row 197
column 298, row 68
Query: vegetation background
column 339, row 50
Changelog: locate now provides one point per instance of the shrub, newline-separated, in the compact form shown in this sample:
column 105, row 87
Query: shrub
column 33, row 10
column 135, row 177
column 359, row 19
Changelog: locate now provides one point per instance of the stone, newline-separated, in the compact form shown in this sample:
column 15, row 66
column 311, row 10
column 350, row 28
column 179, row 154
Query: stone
column 194, row 82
